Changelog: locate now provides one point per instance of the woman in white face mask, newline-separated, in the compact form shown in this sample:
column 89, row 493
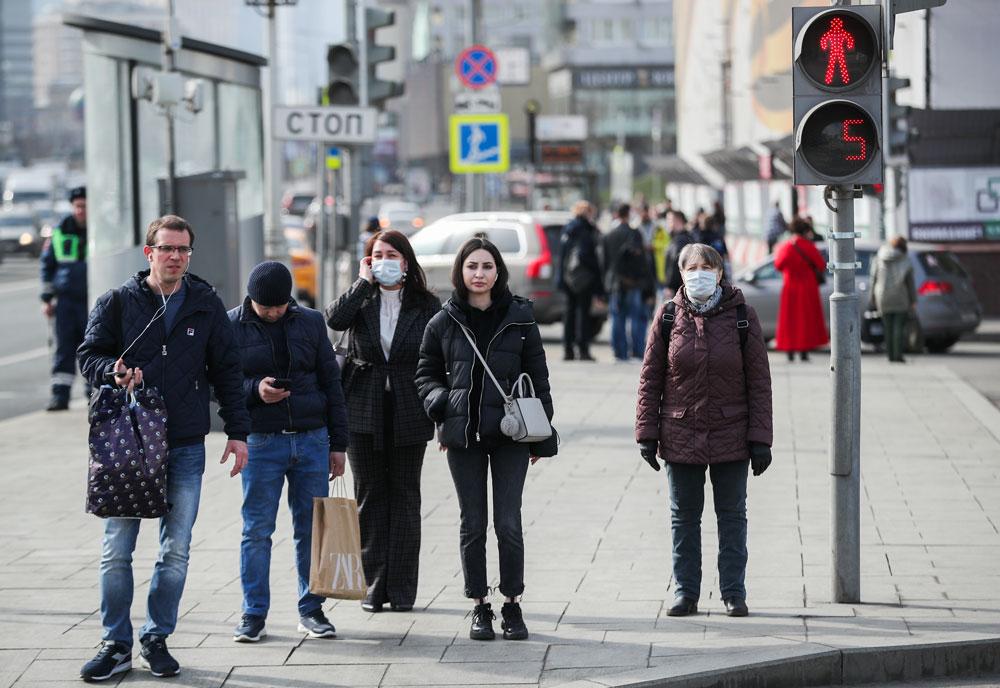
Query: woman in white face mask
column 386, row 311
column 705, row 404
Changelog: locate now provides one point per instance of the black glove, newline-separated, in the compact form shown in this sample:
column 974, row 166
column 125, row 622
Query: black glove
column 760, row 457
column 648, row 450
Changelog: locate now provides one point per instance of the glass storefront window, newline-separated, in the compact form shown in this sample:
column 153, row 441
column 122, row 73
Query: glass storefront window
column 240, row 146
column 109, row 169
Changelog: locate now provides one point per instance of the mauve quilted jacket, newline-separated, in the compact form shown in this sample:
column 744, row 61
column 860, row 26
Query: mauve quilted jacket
column 709, row 401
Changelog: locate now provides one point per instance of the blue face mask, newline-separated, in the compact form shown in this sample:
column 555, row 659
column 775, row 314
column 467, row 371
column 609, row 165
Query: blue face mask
column 387, row 272
column 700, row 284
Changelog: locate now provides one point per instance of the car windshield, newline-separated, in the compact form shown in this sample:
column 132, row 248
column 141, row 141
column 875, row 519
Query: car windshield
column 941, row 264
column 16, row 220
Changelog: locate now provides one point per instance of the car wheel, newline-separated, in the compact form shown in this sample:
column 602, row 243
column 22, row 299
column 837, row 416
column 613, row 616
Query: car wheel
column 940, row 345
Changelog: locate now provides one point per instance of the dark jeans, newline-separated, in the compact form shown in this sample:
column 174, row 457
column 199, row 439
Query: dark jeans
column 469, row 469
column 895, row 334
column 70, row 323
column 687, row 501
column 576, row 323
column 628, row 311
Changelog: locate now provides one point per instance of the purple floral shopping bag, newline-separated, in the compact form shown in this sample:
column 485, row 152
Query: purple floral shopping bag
column 128, row 454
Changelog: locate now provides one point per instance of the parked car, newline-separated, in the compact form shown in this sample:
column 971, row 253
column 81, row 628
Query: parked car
column 303, row 259
column 947, row 306
column 529, row 242
column 403, row 216
column 296, row 202
column 20, row 232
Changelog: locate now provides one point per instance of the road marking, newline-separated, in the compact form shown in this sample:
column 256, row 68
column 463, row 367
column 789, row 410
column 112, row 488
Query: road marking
column 24, row 356
column 20, row 285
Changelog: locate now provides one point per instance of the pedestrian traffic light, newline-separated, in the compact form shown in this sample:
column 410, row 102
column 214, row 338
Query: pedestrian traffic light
column 379, row 90
column 342, row 67
column 899, row 134
column 837, row 93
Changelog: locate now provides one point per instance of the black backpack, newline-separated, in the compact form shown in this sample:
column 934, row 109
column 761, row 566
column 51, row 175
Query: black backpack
column 742, row 325
column 576, row 274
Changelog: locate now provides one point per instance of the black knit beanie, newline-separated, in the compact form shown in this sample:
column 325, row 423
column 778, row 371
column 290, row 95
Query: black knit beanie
column 270, row 284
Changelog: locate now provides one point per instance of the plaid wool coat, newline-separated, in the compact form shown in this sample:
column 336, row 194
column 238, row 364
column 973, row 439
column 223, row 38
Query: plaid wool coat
column 366, row 368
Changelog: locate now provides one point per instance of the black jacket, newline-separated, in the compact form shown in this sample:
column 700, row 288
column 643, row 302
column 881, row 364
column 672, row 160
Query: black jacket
column 580, row 232
column 627, row 264
column 366, row 369
column 673, row 270
column 317, row 399
column 444, row 375
column 181, row 364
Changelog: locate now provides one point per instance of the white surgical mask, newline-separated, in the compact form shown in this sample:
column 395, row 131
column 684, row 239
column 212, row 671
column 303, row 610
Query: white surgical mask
column 700, row 284
column 387, row 272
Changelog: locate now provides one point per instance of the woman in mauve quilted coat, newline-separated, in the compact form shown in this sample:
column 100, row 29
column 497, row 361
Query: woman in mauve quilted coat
column 705, row 403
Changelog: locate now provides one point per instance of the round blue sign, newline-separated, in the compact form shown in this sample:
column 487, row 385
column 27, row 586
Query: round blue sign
column 476, row 66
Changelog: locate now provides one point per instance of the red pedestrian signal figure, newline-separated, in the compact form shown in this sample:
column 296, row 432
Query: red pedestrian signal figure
column 836, row 41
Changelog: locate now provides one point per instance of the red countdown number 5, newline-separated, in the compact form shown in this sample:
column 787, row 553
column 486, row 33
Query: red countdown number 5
column 848, row 137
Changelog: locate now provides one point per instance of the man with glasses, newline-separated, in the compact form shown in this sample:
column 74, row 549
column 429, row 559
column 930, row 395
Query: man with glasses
column 167, row 329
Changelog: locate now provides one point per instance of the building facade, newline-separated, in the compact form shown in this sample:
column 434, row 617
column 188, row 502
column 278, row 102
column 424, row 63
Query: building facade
column 16, row 83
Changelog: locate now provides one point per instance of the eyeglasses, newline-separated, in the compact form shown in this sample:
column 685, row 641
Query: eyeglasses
column 168, row 249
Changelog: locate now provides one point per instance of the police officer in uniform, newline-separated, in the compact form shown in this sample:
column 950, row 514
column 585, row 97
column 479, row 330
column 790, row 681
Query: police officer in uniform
column 64, row 294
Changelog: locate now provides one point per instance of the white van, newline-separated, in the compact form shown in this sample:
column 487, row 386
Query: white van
column 32, row 188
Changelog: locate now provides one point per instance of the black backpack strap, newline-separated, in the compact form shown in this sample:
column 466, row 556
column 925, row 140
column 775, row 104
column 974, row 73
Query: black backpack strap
column 668, row 324
column 742, row 325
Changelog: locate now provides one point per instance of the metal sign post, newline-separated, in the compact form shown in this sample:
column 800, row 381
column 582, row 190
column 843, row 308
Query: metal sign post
column 845, row 416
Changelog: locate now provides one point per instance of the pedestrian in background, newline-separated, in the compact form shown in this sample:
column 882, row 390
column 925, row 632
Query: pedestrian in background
column 298, row 434
column 705, row 403
column 628, row 271
column 459, row 395
column 660, row 245
column 719, row 218
column 580, row 279
column 372, row 227
column 646, row 226
column 707, row 233
column 386, row 311
column 801, row 325
column 893, row 293
column 776, row 226
column 679, row 238
column 177, row 338
column 64, row 294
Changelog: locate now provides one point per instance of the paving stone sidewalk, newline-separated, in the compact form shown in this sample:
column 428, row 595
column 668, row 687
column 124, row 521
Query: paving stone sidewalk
column 597, row 549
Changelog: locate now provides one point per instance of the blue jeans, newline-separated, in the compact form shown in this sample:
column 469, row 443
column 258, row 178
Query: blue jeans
column 628, row 311
column 304, row 459
column 687, row 501
column 184, row 470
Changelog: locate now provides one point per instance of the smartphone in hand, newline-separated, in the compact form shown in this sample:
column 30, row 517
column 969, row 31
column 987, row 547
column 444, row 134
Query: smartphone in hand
column 282, row 383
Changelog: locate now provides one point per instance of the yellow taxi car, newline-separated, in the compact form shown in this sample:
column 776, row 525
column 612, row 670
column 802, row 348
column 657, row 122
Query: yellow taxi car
column 303, row 260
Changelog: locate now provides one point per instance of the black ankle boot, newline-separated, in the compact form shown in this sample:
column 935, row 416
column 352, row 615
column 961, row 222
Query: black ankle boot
column 513, row 622
column 482, row 622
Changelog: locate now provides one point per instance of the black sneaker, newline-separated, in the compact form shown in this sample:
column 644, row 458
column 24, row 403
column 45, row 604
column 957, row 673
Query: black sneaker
column 58, row 403
column 250, row 629
column 113, row 658
column 317, row 625
column 482, row 622
column 513, row 622
column 156, row 657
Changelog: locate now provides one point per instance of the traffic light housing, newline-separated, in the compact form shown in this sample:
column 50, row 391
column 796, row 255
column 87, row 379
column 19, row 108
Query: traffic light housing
column 899, row 135
column 379, row 90
column 343, row 70
column 837, row 93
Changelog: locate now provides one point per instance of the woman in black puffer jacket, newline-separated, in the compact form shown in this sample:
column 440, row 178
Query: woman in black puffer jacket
column 459, row 395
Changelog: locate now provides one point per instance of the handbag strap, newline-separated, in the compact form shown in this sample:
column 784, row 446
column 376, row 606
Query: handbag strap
column 811, row 265
column 482, row 360
column 519, row 385
column 343, row 338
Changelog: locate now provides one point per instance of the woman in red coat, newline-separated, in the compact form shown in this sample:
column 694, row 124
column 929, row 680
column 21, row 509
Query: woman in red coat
column 801, row 325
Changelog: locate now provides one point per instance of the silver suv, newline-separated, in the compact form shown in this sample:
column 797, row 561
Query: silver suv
column 529, row 242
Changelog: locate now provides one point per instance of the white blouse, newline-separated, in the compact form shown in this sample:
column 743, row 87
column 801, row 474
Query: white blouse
column 392, row 303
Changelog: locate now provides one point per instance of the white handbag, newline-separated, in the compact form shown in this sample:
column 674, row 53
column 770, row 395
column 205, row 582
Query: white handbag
column 341, row 350
column 524, row 418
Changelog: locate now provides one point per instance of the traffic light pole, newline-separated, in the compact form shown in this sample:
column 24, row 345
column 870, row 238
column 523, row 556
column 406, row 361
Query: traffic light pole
column 845, row 426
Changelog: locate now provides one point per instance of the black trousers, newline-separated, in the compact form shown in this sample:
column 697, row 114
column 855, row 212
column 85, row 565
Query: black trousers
column 70, row 325
column 469, row 469
column 387, row 486
column 576, row 322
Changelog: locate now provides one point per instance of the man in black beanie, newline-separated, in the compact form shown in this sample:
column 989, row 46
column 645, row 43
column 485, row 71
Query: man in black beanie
column 298, row 423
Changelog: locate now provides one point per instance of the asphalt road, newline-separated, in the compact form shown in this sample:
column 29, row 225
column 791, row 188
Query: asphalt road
column 25, row 359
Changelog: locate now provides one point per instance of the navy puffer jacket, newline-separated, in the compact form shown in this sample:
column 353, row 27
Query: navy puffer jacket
column 198, row 351
column 317, row 399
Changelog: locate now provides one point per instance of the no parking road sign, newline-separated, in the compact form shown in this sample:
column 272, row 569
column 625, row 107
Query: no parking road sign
column 476, row 66
column 479, row 144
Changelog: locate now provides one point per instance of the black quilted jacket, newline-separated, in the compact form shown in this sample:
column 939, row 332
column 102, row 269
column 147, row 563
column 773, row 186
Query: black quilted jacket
column 317, row 399
column 444, row 374
column 199, row 351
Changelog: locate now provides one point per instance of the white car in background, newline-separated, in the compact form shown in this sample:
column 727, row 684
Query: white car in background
column 403, row 216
